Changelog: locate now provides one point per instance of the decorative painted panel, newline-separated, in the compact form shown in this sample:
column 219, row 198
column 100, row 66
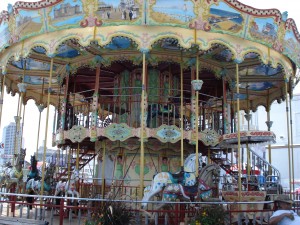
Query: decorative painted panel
column 172, row 12
column 29, row 23
column 168, row 133
column 4, row 34
column 224, row 18
column 263, row 29
column 118, row 132
column 67, row 14
column 291, row 46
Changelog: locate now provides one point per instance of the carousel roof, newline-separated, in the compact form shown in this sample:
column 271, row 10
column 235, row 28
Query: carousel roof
column 79, row 35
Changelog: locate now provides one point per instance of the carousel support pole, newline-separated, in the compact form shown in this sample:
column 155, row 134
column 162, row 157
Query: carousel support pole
column 95, row 106
column 269, row 125
column 77, row 165
column 58, row 162
column 238, row 130
column 22, row 89
column 64, row 104
column 231, row 157
column 23, row 116
column 288, row 132
column 54, row 121
column 102, row 171
column 224, row 105
column 77, row 157
column 46, row 130
column 197, row 119
column 2, row 83
column 292, row 141
column 69, row 161
column 142, row 158
column 40, row 108
column 197, row 110
column 181, row 112
column 17, row 121
column 248, row 118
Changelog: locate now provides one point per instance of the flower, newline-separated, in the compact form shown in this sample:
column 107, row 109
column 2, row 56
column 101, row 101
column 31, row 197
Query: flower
column 209, row 215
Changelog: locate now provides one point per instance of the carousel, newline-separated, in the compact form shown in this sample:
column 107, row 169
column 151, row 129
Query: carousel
column 145, row 87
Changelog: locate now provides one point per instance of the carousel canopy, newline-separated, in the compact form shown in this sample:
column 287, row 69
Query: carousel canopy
column 79, row 35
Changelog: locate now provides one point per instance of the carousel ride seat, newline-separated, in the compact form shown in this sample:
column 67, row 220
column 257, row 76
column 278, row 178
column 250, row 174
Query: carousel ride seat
column 178, row 177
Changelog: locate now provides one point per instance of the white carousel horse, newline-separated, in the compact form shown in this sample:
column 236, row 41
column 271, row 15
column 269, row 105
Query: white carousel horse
column 14, row 175
column 201, row 191
column 161, row 180
column 68, row 187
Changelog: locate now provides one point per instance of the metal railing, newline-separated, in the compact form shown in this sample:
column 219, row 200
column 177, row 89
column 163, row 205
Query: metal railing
column 63, row 210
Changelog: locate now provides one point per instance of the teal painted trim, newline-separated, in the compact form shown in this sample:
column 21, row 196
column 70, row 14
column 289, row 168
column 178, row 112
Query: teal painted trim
column 45, row 21
column 246, row 27
column 145, row 11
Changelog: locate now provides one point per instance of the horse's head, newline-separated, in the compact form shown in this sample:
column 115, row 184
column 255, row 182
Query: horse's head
column 33, row 163
column 20, row 157
column 49, row 173
column 190, row 163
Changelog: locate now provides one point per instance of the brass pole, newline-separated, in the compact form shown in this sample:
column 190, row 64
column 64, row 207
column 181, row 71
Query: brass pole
column 103, row 168
column 248, row 126
column 292, row 142
column 77, row 157
column 142, row 162
column 58, row 160
column 69, row 161
column 16, row 120
column 197, row 119
column 181, row 110
column 38, row 136
column 2, row 97
column 197, row 110
column 238, row 130
column 269, row 128
column 46, row 129
column 23, row 116
column 39, row 126
column 19, row 112
column 288, row 132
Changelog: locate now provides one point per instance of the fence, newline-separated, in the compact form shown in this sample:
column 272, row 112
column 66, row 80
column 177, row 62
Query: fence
column 65, row 210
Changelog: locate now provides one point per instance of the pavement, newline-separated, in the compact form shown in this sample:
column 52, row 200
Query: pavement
column 36, row 214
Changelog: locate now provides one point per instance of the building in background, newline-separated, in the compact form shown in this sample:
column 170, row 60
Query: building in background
column 50, row 154
column 9, row 140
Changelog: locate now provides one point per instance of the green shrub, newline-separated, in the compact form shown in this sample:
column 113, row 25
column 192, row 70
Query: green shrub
column 210, row 215
column 111, row 213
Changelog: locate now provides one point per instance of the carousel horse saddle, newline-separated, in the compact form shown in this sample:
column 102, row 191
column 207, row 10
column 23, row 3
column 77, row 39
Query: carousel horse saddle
column 178, row 177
